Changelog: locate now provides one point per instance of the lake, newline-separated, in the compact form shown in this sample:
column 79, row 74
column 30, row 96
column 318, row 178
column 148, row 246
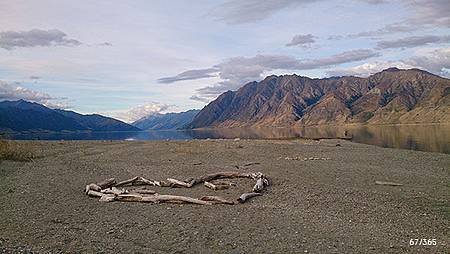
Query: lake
column 432, row 138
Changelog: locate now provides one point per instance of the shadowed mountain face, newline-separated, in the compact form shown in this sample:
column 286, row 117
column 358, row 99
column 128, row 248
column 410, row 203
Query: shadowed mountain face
column 169, row 121
column 25, row 116
column 390, row 96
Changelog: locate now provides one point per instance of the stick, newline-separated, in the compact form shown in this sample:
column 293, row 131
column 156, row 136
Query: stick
column 215, row 187
column 142, row 191
column 176, row 183
column 220, row 175
column 92, row 193
column 92, row 186
column 114, row 190
column 107, row 183
column 388, row 183
column 136, row 181
column 217, row 200
column 244, row 197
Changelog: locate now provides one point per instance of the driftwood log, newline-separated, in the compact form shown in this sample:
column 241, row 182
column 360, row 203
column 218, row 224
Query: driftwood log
column 108, row 190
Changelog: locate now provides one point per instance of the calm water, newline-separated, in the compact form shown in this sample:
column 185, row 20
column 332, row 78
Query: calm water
column 432, row 138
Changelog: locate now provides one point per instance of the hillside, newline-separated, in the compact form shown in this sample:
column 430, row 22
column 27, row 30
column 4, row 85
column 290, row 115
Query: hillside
column 169, row 121
column 30, row 116
column 388, row 97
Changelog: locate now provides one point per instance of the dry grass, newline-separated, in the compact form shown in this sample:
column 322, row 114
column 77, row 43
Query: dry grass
column 15, row 151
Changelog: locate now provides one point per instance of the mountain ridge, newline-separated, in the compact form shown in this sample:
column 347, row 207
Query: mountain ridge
column 168, row 121
column 392, row 96
column 23, row 115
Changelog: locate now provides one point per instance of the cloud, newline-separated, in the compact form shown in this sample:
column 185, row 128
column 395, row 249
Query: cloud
column 413, row 41
column 422, row 14
column 436, row 61
column 238, row 11
column 13, row 91
column 302, row 40
column 430, row 12
column 367, row 69
column 237, row 71
column 141, row 111
column 199, row 98
column 10, row 40
column 189, row 75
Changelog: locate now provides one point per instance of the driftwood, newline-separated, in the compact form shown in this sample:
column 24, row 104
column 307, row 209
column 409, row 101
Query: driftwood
column 108, row 190
column 220, row 175
column 246, row 196
column 107, row 183
column 93, row 187
column 176, row 183
column 142, row 191
column 137, row 181
column 216, row 186
column 217, row 200
column 388, row 183
column 260, row 184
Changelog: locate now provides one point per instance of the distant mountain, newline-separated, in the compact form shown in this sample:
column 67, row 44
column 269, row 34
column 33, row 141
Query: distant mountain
column 169, row 121
column 388, row 97
column 25, row 116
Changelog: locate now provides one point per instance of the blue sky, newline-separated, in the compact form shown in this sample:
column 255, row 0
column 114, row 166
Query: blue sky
column 128, row 59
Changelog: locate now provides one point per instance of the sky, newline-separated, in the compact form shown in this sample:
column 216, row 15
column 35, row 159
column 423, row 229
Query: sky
column 130, row 59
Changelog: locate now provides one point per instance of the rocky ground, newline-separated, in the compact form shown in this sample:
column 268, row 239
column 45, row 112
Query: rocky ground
column 328, row 205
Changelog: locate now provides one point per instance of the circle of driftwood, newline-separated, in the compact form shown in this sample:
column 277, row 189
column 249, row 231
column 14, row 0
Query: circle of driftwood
column 109, row 190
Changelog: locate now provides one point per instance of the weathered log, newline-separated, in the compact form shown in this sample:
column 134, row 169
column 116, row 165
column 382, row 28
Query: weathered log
column 126, row 182
column 93, row 193
column 114, row 190
column 142, row 191
column 107, row 198
column 93, row 187
column 174, row 199
column 244, row 197
column 107, row 183
column 131, row 197
column 176, row 183
column 217, row 200
column 388, row 183
column 136, row 181
column 216, row 186
column 222, row 182
column 219, row 175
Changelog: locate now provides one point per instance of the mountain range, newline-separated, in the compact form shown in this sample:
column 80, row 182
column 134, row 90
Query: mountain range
column 392, row 96
column 168, row 121
column 30, row 116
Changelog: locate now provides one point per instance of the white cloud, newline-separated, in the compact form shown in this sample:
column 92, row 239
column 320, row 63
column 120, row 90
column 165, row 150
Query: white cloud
column 436, row 61
column 13, row 91
column 141, row 111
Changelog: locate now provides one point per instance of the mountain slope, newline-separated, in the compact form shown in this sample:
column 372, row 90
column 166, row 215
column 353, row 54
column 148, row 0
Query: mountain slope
column 25, row 116
column 169, row 121
column 98, row 122
column 390, row 96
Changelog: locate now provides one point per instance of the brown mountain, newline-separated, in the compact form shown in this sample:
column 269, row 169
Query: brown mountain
column 390, row 96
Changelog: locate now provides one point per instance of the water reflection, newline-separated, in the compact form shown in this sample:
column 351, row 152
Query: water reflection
column 433, row 138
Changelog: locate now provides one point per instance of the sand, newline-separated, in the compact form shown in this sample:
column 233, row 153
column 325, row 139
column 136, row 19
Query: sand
column 314, row 206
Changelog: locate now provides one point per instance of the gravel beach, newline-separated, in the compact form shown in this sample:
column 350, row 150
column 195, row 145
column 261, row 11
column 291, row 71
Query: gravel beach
column 330, row 204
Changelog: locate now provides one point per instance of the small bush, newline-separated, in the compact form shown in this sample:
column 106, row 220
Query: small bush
column 14, row 151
